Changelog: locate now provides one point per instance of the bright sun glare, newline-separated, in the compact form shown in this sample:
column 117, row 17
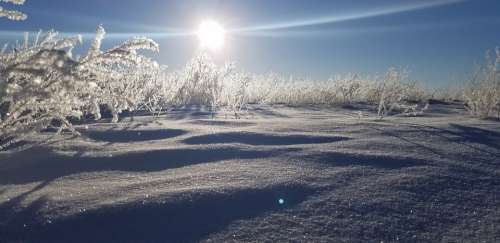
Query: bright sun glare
column 211, row 35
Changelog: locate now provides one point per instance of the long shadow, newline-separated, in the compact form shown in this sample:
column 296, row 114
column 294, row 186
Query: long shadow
column 8, row 210
column 187, row 220
column 222, row 123
column 124, row 136
column 476, row 135
column 13, row 221
column 188, row 112
column 395, row 135
column 267, row 112
column 50, row 166
column 376, row 161
column 464, row 135
column 260, row 139
column 183, row 115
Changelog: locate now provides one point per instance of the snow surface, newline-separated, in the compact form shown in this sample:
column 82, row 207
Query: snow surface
column 280, row 174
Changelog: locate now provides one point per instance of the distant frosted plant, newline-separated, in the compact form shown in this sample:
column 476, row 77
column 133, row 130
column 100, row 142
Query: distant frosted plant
column 202, row 83
column 12, row 14
column 155, row 92
column 415, row 92
column 173, row 88
column 348, row 87
column 390, row 91
column 394, row 93
column 281, row 89
column 269, row 89
column 235, row 92
column 482, row 93
column 222, row 83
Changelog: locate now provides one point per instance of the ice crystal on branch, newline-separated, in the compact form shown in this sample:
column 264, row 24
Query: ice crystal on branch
column 41, row 84
column 12, row 14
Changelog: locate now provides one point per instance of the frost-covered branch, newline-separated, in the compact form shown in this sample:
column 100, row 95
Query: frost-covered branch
column 41, row 83
column 12, row 14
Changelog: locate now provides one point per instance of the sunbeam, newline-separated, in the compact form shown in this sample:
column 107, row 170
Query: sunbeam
column 347, row 17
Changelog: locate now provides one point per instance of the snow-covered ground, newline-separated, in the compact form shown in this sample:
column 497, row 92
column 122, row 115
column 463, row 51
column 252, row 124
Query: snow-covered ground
column 311, row 174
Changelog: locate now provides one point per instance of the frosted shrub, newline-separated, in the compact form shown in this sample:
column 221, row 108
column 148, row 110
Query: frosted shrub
column 155, row 92
column 415, row 93
column 41, row 83
column 263, row 88
column 390, row 92
column 348, row 87
column 482, row 94
column 280, row 89
column 116, row 73
column 37, row 86
column 12, row 14
column 235, row 94
column 268, row 89
column 173, row 88
column 201, row 82
column 394, row 93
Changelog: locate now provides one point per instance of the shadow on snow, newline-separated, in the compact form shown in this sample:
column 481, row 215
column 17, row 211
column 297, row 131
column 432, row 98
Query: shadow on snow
column 235, row 123
column 51, row 166
column 124, row 136
column 260, row 139
column 187, row 220
column 376, row 161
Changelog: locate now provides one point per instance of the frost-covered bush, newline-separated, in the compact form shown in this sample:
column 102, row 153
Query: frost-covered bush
column 156, row 92
column 394, row 93
column 41, row 82
column 116, row 73
column 281, row 89
column 37, row 86
column 12, row 14
column 482, row 94
column 267, row 89
column 234, row 94
column 348, row 87
column 200, row 82
column 389, row 91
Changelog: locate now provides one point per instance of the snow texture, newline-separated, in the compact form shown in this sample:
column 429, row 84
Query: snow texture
column 184, row 177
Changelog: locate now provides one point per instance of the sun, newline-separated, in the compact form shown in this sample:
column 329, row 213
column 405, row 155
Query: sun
column 211, row 35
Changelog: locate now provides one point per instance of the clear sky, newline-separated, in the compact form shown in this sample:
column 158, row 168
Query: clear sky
column 437, row 40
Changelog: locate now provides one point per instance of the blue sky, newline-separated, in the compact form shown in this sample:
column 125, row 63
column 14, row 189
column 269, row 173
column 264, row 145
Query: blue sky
column 437, row 40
